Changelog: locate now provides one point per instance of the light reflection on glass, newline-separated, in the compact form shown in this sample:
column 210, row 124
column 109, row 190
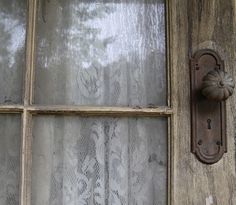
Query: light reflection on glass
column 12, row 49
column 95, row 53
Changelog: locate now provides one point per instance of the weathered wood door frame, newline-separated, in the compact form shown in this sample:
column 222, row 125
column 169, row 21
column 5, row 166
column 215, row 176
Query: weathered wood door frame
column 198, row 24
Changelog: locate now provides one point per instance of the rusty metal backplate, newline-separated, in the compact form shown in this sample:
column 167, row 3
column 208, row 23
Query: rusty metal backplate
column 207, row 117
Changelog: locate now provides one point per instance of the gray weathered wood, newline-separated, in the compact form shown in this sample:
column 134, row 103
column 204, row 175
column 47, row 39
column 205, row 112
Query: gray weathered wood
column 200, row 24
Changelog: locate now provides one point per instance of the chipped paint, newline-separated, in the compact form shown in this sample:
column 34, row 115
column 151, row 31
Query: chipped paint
column 209, row 200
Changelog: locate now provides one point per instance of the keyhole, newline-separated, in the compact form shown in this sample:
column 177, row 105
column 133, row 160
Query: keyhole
column 209, row 124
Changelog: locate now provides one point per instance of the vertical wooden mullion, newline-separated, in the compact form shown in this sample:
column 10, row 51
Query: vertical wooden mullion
column 26, row 158
column 30, row 52
column 170, row 100
column 168, row 50
column 25, row 186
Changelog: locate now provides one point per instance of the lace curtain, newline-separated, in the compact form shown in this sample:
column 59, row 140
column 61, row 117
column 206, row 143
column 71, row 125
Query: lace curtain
column 99, row 161
column 101, row 52
column 10, row 143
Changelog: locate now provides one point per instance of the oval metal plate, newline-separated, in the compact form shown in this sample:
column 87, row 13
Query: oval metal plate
column 207, row 117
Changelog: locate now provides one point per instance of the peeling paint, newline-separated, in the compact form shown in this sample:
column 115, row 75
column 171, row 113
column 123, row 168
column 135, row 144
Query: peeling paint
column 209, row 200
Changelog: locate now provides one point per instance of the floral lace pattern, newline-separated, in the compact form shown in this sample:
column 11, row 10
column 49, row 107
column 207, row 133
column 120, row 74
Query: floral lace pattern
column 9, row 159
column 99, row 52
column 99, row 161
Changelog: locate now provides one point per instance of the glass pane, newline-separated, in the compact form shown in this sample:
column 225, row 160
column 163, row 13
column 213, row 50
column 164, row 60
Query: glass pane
column 101, row 53
column 102, row 161
column 12, row 50
column 10, row 144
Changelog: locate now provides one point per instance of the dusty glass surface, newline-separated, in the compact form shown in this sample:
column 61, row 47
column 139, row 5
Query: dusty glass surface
column 101, row 53
column 10, row 144
column 105, row 161
column 12, row 50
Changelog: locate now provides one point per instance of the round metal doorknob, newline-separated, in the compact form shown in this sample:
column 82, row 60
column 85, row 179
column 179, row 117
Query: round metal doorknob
column 217, row 85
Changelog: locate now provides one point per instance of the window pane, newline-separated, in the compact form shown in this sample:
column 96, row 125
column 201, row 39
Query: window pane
column 101, row 53
column 99, row 161
column 12, row 50
column 10, row 143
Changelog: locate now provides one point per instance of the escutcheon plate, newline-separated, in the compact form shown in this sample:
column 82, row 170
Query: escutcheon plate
column 207, row 117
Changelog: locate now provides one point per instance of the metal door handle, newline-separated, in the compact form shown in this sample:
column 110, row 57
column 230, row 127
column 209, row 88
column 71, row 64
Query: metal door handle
column 210, row 87
column 217, row 85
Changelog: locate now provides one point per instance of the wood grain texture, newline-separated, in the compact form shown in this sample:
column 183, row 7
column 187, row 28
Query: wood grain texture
column 26, row 158
column 30, row 52
column 111, row 111
column 11, row 108
column 87, row 110
column 198, row 24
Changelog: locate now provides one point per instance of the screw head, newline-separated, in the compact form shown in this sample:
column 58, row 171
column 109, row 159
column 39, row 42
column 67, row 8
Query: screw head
column 200, row 142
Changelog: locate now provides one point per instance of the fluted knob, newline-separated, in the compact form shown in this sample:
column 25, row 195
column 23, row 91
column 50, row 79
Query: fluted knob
column 217, row 85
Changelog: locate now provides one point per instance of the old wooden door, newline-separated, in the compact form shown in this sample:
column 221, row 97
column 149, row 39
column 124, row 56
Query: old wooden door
column 95, row 102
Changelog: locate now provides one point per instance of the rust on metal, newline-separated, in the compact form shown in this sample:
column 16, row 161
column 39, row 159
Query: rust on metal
column 217, row 85
column 207, row 116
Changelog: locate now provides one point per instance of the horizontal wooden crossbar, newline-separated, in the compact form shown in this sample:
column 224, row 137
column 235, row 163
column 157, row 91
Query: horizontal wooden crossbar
column 86, row 110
